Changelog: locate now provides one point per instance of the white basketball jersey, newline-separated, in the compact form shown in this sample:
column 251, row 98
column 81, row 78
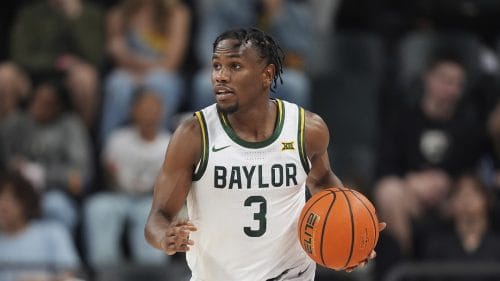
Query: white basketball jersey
column 246, row 199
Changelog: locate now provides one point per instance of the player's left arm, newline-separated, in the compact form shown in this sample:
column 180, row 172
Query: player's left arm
column 316, row 139
column 321, row 176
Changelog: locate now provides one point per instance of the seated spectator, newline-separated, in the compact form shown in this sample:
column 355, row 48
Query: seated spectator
column 493, row 129
column 471, row 238
column 290, row 22
column 147, row 41
column 15, row 86
column 32, row 249
column 50, row 147
column 421, row 148
column 62, row 37
column 132, row 158
column 14, row 89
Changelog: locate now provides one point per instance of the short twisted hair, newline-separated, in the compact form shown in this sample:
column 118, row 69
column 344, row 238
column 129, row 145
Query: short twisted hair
column 263, row 42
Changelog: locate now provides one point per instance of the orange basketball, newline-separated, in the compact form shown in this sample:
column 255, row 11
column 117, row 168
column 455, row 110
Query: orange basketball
column 338, row 228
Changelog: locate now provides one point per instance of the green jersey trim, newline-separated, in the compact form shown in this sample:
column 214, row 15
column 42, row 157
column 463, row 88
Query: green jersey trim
column 277, row 130
column 204, row 146
column 300, row 138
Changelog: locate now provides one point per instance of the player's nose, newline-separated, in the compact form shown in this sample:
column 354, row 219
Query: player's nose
column 221, row 75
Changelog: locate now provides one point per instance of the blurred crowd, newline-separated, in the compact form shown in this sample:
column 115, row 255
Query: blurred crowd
column 90, row 92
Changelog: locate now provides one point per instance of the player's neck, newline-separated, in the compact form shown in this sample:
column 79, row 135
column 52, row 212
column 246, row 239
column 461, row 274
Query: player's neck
column 256, row 123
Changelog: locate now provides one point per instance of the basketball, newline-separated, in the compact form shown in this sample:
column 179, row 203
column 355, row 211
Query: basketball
column 338, row 228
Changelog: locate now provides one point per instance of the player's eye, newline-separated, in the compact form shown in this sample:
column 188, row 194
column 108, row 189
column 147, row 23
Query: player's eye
column 236, row 66
column 216, row 66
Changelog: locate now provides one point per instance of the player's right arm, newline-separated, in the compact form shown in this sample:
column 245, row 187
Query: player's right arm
column 163, row 230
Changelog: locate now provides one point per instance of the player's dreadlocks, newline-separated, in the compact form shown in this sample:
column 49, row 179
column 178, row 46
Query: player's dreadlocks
column 267, row 46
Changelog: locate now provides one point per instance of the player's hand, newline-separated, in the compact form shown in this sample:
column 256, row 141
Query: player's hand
column 373, row 254
column 177, row 237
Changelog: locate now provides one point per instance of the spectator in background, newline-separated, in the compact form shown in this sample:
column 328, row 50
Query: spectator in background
column 324, row 23
column 289, row 21
column 32, row 249
column 493, row 130
column 147, row 40
column 471, row 238
column 421, row 148
column 491, row 161
column 132, row 157
column 62, row 37
column 50, row 147
column 15, row 86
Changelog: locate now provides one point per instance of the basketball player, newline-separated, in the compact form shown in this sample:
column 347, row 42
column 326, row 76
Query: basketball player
column 242, row 164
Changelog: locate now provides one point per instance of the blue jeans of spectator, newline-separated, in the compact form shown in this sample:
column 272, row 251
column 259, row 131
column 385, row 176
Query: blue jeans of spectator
column 60, row 207
column 105, row 217
column 119, row 88
column 296, row 88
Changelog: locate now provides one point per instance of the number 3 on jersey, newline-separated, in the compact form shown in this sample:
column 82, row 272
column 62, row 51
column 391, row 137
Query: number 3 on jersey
column 259, row 216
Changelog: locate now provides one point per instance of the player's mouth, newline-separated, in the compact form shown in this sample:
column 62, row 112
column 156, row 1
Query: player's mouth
column 223, row 92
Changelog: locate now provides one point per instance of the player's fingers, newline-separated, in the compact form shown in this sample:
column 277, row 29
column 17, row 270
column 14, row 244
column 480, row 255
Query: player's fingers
column 350, row 269
column 183, row 240
column 185, row 248
column 173, row 231
column 173, row 243
column 182, row 248
column 177, row 238
column 170, row 249
column 381, row 226
column 178, row 231
column 178, row 241
column 360, row 265
column 373, row 254
column 170, row 252
column 168, row 245
column 177, row 227
column 189, row 227
column 176, row 247
column 186, row 224
column 183, row 236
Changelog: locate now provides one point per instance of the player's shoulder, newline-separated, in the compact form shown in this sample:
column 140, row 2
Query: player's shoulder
column 316, row 133
column 189, row 126
column 186, row 142
column 314, row 123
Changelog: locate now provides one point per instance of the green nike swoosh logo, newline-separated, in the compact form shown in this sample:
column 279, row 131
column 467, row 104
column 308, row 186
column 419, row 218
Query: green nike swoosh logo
column 220, row 148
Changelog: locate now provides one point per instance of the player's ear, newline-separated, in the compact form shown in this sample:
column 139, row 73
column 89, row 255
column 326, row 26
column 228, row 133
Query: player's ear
column 268, row 75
